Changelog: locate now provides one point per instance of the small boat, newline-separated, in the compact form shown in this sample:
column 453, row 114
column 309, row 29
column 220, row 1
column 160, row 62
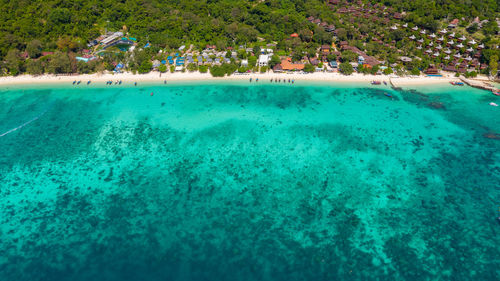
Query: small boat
column 385, row 83
column 135, row 83
column 293, row 81
column 288, row 80
column 151, row 94
column 88, row 82
column 496, row 92
column 164, row 81
column 74, row 82
column 493, row 104
column 257, row 80
column 374, row 82
column 250, row 79
column 388, row 95
column 120, row 82
column 78, row 83
column 456, row 83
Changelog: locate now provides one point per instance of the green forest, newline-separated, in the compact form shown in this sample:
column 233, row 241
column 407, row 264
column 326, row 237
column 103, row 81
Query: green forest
column 66, row 27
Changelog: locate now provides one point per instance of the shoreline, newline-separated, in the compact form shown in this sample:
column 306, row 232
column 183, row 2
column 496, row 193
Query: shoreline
column 128, row 77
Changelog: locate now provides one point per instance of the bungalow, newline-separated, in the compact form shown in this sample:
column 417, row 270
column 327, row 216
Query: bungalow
column 330, row 28
column 278, row 68
column 314, row 61
column 398, row 16
column 333, row 64
column 325, row 49
column 453, row 23
column 405, row 59
column 244, row 63
column 432, row 70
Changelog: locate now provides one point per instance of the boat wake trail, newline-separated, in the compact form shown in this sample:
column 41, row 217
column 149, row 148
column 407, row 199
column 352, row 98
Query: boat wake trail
column 24, row 124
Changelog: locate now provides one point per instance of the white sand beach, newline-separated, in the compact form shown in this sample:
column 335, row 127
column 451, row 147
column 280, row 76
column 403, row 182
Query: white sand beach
column 128, row 77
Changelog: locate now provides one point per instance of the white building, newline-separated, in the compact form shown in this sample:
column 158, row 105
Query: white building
column 263, row 60
column 244, row 63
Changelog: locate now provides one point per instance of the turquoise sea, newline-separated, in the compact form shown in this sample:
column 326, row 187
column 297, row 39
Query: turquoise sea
column 247, row 181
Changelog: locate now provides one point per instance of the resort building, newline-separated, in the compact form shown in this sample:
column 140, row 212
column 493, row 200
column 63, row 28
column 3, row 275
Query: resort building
column 264, row 60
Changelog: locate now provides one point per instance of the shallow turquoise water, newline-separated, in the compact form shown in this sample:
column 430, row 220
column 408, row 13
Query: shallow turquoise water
column 248, row 182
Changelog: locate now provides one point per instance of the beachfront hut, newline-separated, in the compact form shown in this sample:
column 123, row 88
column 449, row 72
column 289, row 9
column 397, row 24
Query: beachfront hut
column 333, row 64
column 278, row 68
column 244, row 63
